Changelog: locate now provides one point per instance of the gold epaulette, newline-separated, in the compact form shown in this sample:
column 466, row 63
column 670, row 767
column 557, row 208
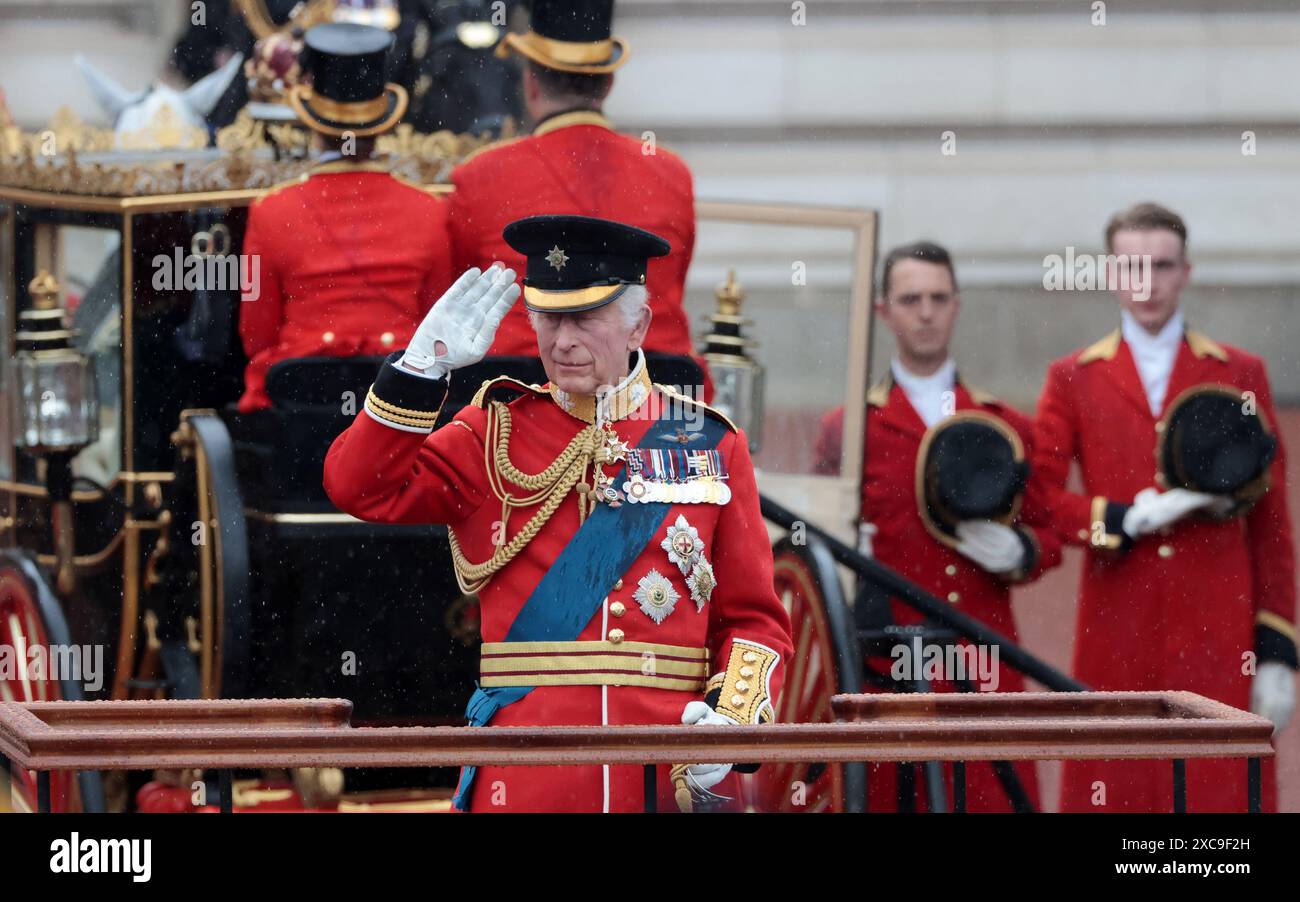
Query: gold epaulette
column 878, row 394
column 1105, row 349
column 280, row 186
column 980, row 396
column 716, row 414
column 1204, row 346
column 484, row 393
column 491, row 145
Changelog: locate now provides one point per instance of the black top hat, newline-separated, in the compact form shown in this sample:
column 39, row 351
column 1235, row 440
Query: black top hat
column 1211, row 440
column 578, row 262
column 347, row 95
column 971, row 466
column 570, row 35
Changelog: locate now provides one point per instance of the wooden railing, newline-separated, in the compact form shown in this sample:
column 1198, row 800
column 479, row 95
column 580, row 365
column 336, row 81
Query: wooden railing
column 227, row 734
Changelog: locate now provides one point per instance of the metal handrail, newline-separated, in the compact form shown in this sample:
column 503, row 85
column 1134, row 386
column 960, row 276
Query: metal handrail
column 923, row 602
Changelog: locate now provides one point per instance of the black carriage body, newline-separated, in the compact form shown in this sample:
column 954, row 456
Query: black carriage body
column 326, row 605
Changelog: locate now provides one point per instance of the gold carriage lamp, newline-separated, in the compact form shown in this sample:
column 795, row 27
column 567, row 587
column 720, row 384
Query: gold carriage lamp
column 56, row 406
column 737, row 377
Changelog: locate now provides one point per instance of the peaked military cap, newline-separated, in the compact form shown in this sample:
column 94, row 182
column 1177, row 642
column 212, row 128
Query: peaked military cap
column 579, row 263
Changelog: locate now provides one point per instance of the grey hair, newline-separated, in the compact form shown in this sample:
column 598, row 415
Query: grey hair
column 630, row 303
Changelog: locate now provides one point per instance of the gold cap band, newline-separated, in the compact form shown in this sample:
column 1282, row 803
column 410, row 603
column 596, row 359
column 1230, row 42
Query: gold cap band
column 570, row 300
column 594, row 57
column 353, row 113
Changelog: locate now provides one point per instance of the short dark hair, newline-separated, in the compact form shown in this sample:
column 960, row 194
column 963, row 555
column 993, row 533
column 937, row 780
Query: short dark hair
column 579, row 85
column 1145, row 217
column 925, row 251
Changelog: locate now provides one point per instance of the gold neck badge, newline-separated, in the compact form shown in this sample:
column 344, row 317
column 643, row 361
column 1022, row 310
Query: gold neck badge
column 611, row 406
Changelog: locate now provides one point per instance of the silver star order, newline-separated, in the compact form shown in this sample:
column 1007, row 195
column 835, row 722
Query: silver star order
column 702, row 583
column 683, row 545
column 656, row 595
column 557, row 258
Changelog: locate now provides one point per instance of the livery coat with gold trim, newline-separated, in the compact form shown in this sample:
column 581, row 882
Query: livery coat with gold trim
column 1181, row 608
column 575, row 163
column 350, row 261
column 387, row 467
column 889, row 501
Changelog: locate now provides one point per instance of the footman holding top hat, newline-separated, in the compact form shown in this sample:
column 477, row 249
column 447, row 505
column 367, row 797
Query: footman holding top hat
column 947, row 498
column 610, row 528
column 1189, row 581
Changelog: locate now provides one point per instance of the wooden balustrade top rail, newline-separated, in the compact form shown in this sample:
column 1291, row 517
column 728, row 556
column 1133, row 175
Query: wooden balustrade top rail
column 263, row 733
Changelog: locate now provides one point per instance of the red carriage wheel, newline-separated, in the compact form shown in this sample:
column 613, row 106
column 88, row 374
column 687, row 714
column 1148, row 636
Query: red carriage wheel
column 22, row 629
column 826, row 662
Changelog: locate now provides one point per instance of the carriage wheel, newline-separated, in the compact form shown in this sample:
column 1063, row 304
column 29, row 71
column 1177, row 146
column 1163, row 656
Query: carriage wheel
column 826, row 662
column 219, row 534
column 30, row 617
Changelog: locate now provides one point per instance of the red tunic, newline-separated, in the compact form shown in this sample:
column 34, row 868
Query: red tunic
column 350, row 261
column 576, row 164
column 1179, row 609
column 890, row 503
column 380, row 473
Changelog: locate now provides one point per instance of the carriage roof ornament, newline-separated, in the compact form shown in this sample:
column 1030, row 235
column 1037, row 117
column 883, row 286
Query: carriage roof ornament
column 160, row 117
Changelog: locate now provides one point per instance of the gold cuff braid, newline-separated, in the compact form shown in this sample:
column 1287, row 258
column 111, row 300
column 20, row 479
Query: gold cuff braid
column 746, row 688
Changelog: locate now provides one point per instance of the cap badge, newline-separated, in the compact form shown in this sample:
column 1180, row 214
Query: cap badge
column 557, row 258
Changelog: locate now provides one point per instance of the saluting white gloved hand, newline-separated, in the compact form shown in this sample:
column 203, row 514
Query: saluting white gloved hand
column 705, row 776
column 459, row 328
column 994, row 547
column 1154, row 510
column 1272, row 693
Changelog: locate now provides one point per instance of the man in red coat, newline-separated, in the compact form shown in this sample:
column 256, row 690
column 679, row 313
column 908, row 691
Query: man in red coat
column 349, row 258
column 975, row 568
column 1170, row 598
column 575, row 163
column 611, row 530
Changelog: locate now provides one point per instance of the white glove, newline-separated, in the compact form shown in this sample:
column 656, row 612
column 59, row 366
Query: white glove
column 705, row 776
column 1154, row 510
column 459, row 328
column 994, row 547
column 1272, row 693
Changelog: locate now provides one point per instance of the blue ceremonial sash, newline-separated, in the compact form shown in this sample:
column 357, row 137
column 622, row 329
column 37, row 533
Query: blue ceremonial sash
column 578, row 581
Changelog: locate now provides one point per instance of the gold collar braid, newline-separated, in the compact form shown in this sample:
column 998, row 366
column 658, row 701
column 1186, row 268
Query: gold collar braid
column 614, row 405
column 549, row 489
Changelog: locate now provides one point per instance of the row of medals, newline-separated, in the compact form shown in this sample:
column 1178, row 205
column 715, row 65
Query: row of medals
column 638, row 490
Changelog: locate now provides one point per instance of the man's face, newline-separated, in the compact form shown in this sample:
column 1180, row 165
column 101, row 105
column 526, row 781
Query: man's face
column 921, row 309
column 1161, row 282
column 584, row 352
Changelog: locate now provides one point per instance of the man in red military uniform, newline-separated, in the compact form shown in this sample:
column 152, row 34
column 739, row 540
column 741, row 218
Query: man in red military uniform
column 1169, row 598
column 350, row 258
column 611, row 530
column 974, row 567
column 574, row 162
